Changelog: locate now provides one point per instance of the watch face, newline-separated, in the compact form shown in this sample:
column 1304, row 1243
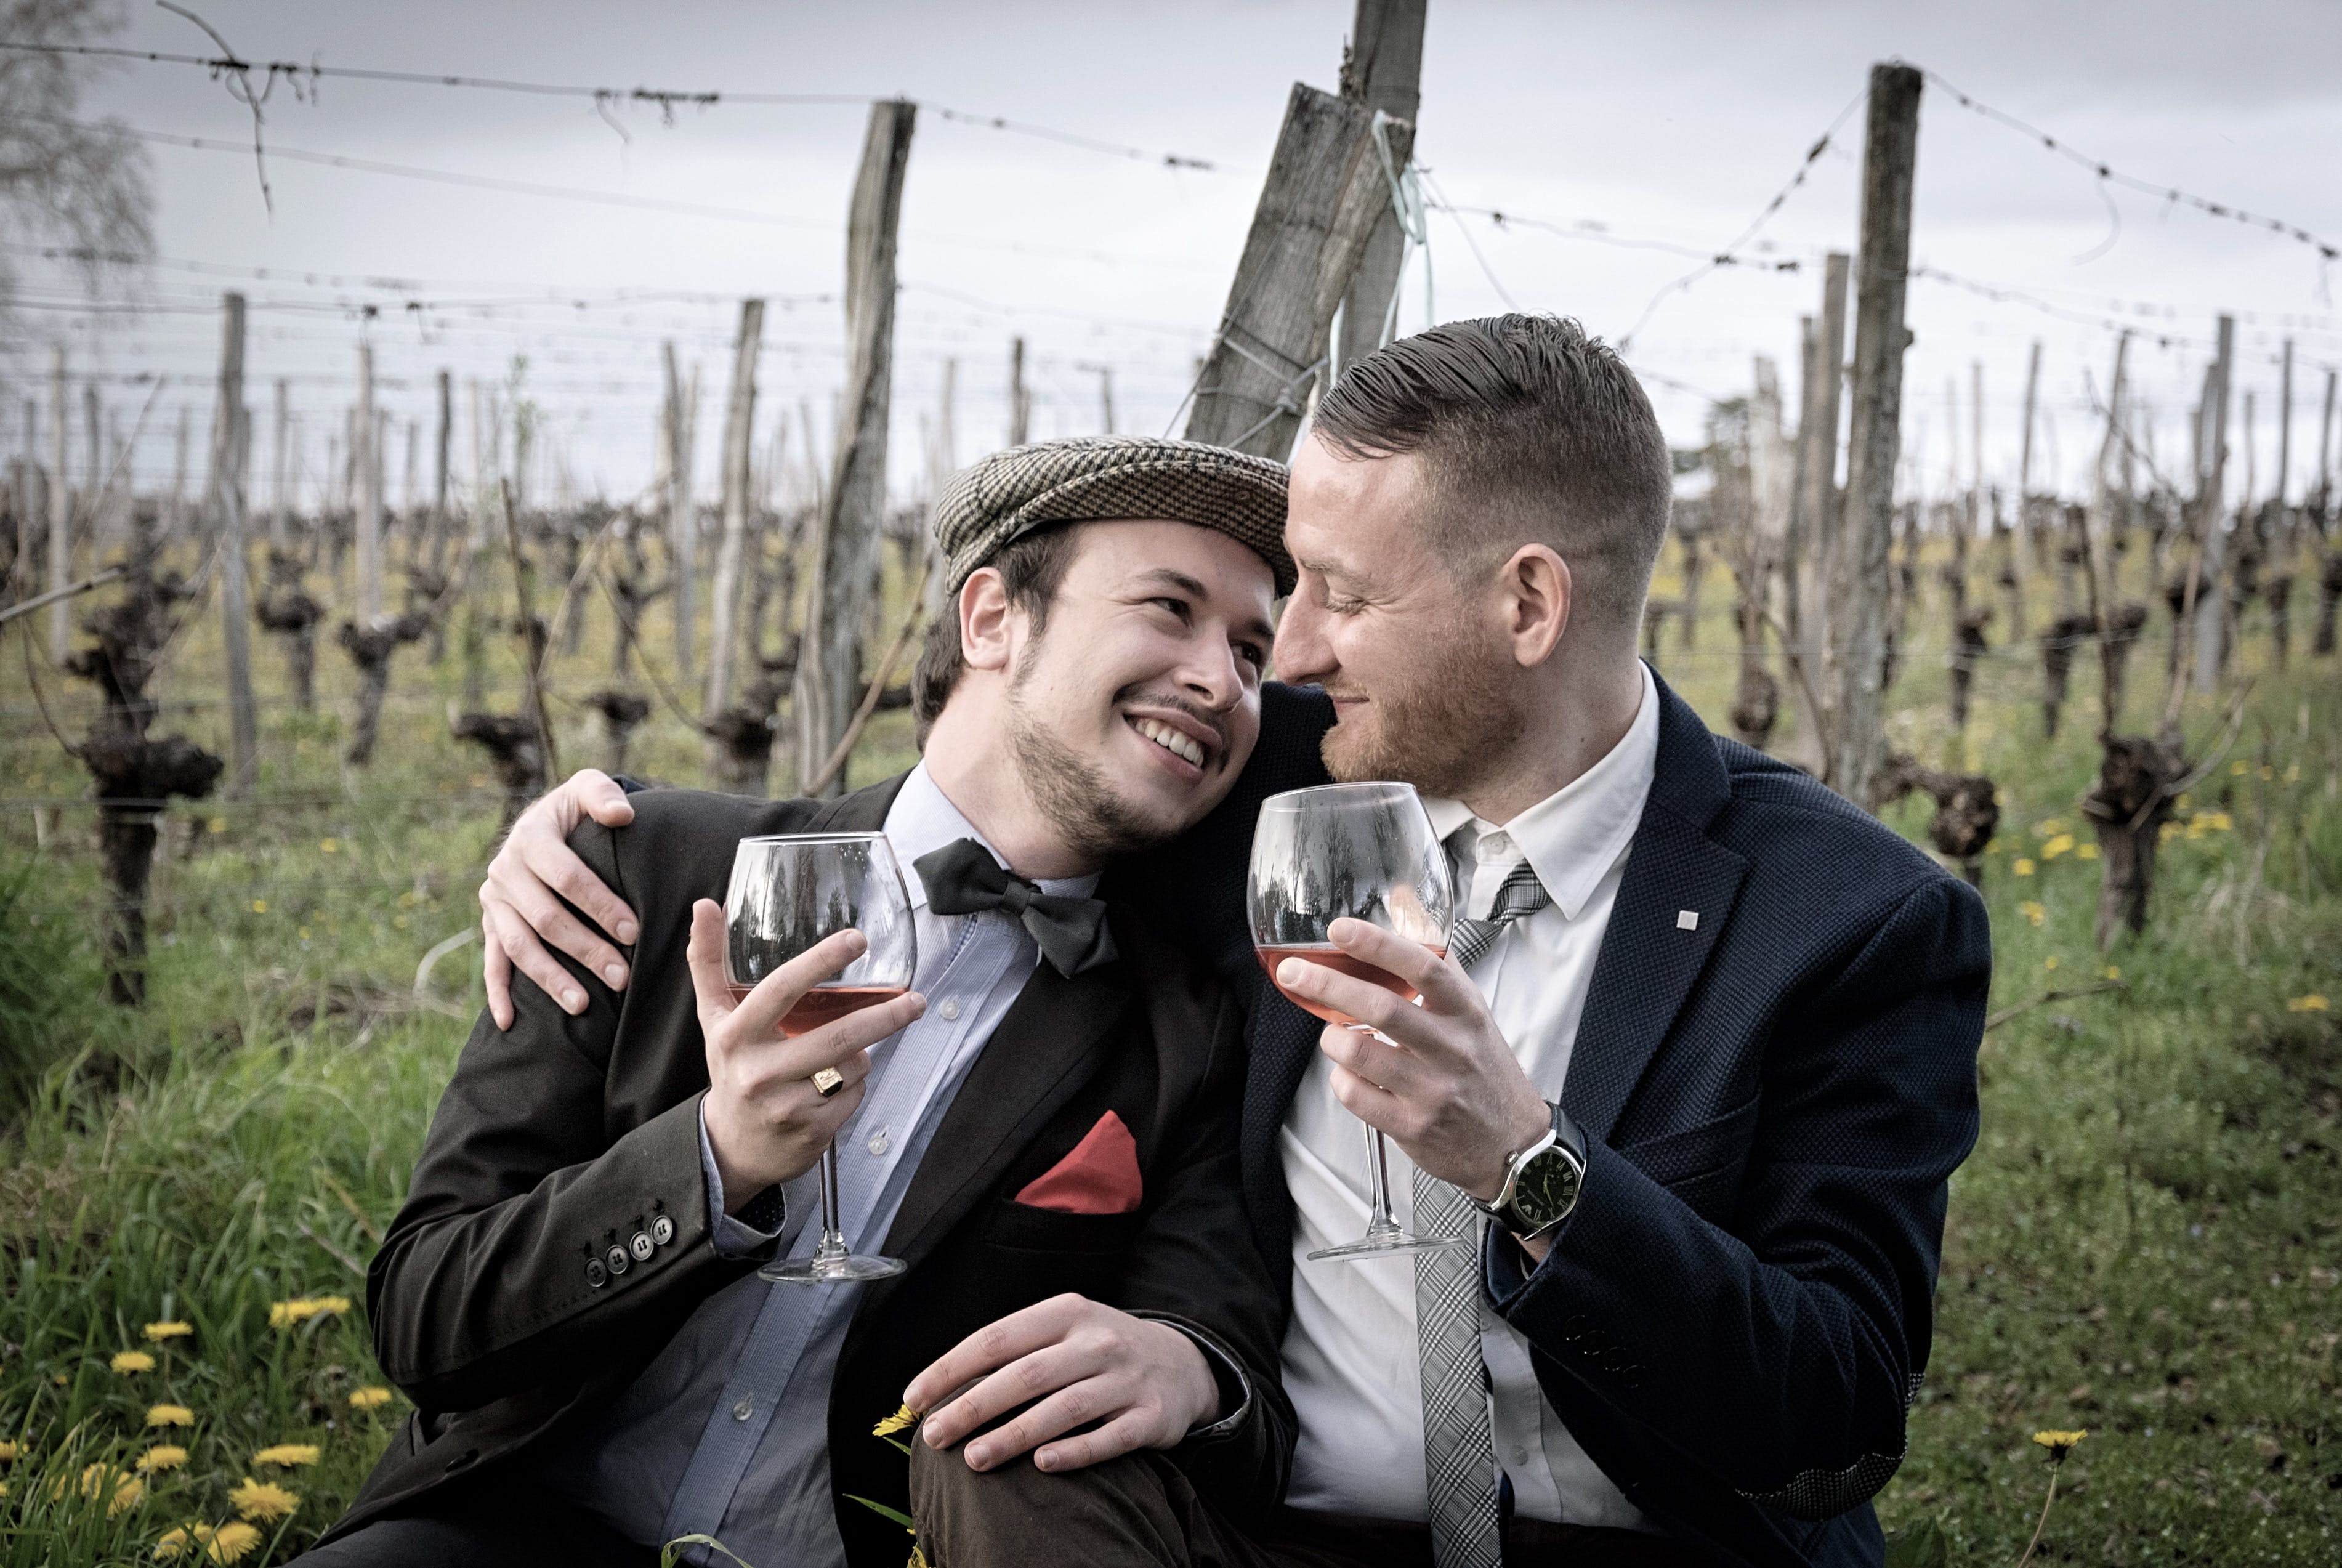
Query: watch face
column 1546, row 1189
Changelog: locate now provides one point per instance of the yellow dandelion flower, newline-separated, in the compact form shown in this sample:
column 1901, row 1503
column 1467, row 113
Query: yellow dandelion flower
column 2113, row 972
column 301, row 1309
column 329, row 844
column 2050, row 962
column 159, row 1332
column 262, row 1500
column 2167, row 833
column 233, row 1541
column 2031, row 911
column 2023, row 867
column 2222, row 822
column 162, row 1456
column 2058, row 1444
column 369, row 1398
column 130, row 1361
column 169, row 1416
column 901, row 1421
column 2086, row 852
column 2055, row 824
column 2240, row 767
column 127, row 1495
column 260, row 906
column 8, row 1452
column 287, row 1454
column 2293, row 773
column 216, row 824
column 175, row 1543
column 4, row 1489
column 2058, row 846
column 2311, row 1004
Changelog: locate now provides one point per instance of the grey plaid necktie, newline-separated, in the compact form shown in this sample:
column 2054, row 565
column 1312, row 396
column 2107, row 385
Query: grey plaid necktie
column 1468, row 941
column 1459, row 1455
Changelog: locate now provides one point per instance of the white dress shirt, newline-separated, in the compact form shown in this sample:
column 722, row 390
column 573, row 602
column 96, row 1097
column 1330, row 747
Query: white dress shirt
column 1350, row 1361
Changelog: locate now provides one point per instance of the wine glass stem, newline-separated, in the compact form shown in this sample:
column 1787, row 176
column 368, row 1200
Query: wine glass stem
column 833, row 1240
column 1378, row 1172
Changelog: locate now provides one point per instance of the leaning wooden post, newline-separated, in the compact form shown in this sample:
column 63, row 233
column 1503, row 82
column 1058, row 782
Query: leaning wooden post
column 1381, row 70
column 846, row 541
column 2030, row 550
column 365, row 472
column 60, row 514
column 1812, row 619
column 942, row 461
column 2276, row 584
column 737, row 433
column 1326, row 189
column 231, row 432
column 1890, row 155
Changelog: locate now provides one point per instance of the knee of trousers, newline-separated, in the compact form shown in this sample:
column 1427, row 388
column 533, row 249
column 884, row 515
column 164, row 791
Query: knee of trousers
column 953, row 1503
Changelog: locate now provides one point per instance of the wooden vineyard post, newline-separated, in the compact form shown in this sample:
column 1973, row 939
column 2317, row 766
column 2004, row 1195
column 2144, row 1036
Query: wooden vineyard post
column 1807, row 573
column 366, row 474
column 231, row 430
column 1326, row 188
column 854, row 502
column 682, row 528
column 2029, row 550
column 2276, row 584
column 1890, row 156
column 1381, row 70
column 280, row 508
column 1020, row 401
column 942, row 462
column 60, row 514
column 738, row 430
column 2208, row 580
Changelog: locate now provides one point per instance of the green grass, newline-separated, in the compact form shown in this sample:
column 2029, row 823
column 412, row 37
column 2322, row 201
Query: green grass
column 2145, row 1245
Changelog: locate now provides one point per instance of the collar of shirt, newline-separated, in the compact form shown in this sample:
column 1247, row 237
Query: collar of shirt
column 1576, row 834
column 922, row 820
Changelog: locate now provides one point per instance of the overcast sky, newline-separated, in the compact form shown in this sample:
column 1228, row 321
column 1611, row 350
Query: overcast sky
column 1641, row 130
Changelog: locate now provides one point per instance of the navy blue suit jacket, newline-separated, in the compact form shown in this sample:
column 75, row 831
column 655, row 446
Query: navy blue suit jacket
column 1735, row 1319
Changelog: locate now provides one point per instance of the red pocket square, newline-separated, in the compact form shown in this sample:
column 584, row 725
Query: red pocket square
column 1099, row 1177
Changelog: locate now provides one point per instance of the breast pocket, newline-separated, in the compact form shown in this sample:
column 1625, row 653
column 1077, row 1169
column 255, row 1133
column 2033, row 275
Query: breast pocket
column 1022, row 1227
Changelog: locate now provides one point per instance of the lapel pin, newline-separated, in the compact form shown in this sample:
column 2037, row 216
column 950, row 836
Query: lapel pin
column 1687, row 920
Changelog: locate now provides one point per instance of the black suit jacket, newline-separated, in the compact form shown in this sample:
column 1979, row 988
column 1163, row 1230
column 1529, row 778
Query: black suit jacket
column 566, row 1137
column 1735, row 1319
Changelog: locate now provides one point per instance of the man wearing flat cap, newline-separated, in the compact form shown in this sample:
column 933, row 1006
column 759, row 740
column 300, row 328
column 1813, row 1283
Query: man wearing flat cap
column 1045, row 1127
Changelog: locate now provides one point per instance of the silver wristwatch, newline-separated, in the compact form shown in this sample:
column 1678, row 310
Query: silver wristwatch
column 1542, row 1182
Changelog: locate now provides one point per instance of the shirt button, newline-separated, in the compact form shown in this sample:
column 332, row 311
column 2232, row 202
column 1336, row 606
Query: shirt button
column 1495, row 846
column 743, row 1410
column 950, row 1009
column 878, row 1144
column 1520, row 1456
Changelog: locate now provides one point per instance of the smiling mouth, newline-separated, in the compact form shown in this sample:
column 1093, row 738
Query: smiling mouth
column 1185, row 747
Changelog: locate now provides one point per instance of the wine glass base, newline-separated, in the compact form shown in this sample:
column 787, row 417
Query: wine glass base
column 818, row 1270
column 1390, row 1242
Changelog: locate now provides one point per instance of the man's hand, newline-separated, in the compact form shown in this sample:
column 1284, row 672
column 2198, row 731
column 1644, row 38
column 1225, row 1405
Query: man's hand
column 766, row 1121
column 1441, row 1080
column 1083, row 1361
column 517, row 905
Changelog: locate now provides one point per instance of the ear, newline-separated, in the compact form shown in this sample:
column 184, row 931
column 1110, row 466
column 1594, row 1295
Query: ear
column 1536, row 593
column 984, row 621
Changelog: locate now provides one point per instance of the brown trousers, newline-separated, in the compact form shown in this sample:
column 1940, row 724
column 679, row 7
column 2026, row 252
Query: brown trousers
column 1139, row 1511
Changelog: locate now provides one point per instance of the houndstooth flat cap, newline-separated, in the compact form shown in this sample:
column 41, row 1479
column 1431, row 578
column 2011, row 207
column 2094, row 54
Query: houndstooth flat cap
column 1110, row 479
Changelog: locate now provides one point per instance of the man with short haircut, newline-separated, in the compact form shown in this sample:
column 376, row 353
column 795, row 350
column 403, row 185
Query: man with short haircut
column 1044, row 1129
column 1702, row 1052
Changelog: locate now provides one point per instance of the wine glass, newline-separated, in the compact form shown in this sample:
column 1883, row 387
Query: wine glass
column 1364, row 851
column 789, row 893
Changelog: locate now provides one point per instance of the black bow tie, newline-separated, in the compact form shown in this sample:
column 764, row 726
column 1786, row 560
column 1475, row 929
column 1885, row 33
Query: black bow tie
column 963, row 878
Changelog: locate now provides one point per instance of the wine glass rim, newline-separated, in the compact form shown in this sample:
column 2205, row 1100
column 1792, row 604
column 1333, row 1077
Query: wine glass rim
column 1356, row 785
column 813, row 838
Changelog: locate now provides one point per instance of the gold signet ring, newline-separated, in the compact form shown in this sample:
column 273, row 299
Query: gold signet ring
column 828, row 1082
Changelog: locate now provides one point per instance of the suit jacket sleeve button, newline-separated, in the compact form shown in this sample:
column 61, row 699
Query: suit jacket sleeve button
column 595, row 1275
column 640, row 1246
column 618, row 1259
column 662, row 1230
